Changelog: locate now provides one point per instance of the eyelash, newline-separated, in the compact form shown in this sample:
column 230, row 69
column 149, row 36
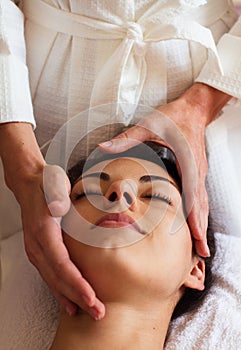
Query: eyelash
column 87, row 193
column 165, row 199
column 154, row 196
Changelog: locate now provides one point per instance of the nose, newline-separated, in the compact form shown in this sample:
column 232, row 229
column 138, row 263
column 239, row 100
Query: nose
column 122, row 191
column 114, row 197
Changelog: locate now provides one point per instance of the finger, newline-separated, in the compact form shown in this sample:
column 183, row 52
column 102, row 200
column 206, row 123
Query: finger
column 77, row 290
column 202, row 248
column 50, row 256
column 97, row 311
column 56, row 188
column 200, row 239
column 67, row 305
column 194, row 222
column 198, row 223
column 70, row 288
column 127, row 139
column 66, row 277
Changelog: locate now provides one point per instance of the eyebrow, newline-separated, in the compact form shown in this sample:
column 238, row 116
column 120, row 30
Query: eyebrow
column 151, row 178
column 101, row 175
column 143, row 179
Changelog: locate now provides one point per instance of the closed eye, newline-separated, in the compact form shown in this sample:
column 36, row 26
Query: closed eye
column 77, row 196
column 158, row 196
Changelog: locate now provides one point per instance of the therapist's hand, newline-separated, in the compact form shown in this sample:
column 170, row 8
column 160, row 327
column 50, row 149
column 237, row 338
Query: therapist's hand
column 23, row 166
column 183, row 119
column 44, row 243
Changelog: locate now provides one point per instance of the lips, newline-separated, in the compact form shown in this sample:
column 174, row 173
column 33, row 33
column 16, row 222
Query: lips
column 115, row 220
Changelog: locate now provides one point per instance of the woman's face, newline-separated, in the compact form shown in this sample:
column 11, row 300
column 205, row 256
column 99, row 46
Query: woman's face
column 132, row 195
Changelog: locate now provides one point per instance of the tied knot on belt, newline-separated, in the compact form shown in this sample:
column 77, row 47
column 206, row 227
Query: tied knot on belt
column 134, row 32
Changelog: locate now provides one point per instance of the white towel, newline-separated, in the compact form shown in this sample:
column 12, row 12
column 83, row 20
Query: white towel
column 29, row 313
column 216, row 325
column 223, row 183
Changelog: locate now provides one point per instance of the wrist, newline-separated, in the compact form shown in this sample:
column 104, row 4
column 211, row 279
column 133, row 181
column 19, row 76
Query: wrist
column 21, row 156
column 205, row 101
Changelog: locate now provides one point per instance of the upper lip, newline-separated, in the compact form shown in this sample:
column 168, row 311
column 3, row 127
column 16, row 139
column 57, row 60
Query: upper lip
column 118, row 217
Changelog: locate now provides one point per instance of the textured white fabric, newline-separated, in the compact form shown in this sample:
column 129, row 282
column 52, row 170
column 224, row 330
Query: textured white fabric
column 216, row 325
column 223, row 180
column 229, row 51
column 70, row 73
column 127, row 67
column 29, row 313
column 15, row 99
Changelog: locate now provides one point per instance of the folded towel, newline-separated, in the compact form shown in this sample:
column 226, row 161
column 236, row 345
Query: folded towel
column 29, row 313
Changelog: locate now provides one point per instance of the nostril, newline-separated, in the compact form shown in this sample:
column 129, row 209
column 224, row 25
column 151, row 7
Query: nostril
column 127, row 198
column 113, row 197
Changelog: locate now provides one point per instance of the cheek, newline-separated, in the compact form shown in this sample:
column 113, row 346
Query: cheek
column 75, row 249
column 85, row 210
column 171, row 258
column 161, row 216
column 112, row 273
column 86, row 258
column 155, row 266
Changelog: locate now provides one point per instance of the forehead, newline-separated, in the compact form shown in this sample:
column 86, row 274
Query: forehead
column 127, row 167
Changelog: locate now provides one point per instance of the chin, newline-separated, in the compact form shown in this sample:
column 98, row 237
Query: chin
column 110, row 271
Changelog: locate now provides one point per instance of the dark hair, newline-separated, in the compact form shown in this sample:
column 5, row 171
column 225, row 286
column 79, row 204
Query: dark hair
column 165, row 158
column 150, row 151
column 193, row 298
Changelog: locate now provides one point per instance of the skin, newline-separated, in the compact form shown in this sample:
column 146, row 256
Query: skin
column 42, row 232
column 191, row 113
column 145, row 278
column 43, row 239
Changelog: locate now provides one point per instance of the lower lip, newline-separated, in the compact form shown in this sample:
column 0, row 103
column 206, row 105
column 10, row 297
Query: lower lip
column 113, row 224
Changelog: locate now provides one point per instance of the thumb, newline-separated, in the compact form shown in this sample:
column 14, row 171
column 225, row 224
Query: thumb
column 56, row 187
column 126, row 139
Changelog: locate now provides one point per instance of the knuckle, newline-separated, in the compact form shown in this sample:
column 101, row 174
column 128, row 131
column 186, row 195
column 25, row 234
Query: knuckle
column 125, row 135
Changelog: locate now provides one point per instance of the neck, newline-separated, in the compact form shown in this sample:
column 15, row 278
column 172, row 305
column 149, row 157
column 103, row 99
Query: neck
column 123, row 327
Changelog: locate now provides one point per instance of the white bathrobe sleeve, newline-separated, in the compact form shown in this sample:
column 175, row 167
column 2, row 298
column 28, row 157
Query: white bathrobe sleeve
column 15, row 97
column 229, row 51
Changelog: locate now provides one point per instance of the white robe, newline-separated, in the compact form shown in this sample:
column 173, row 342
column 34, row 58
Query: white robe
column 84, row 53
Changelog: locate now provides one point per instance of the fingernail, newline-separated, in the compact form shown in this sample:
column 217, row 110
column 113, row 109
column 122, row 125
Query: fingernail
column 207, row 250
column 69, row 311
column 106, row 144
column 95, row 314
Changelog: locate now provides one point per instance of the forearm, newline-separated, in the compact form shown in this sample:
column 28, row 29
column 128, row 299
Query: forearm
column 205, row 101
column 21, row 156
